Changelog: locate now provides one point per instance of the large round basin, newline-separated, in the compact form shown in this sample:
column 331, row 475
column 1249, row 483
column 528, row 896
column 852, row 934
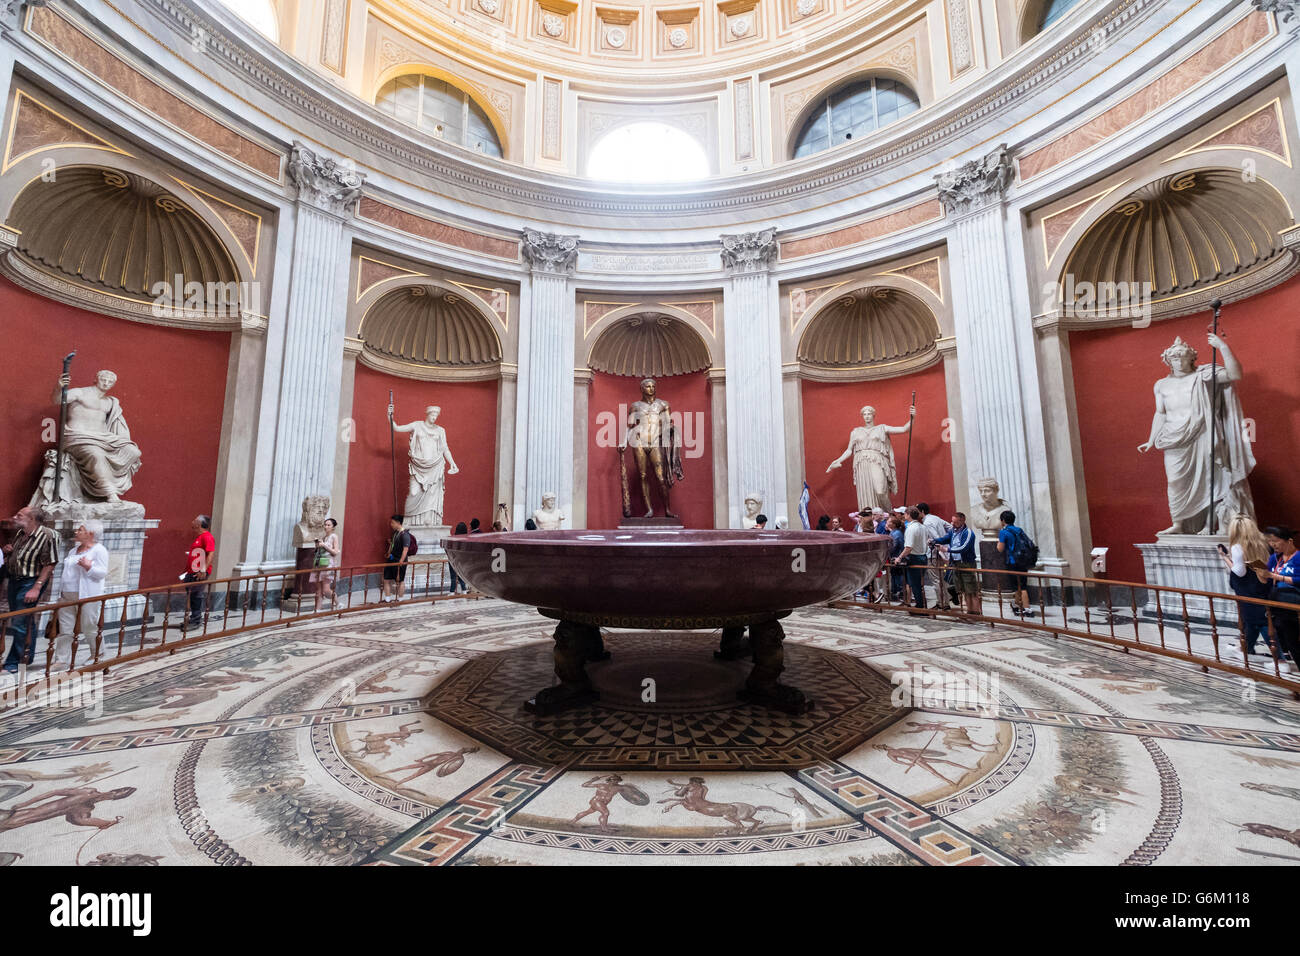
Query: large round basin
column 667, row 578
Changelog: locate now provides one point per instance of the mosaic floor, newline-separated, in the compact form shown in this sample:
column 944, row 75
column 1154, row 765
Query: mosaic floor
column 398, row 736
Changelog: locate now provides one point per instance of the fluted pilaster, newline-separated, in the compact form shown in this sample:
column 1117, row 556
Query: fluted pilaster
column 992, row 396
column 544, row 423
column 755, row 430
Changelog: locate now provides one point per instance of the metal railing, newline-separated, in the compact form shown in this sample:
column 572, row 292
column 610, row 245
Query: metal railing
column 130, row 625
column 1109, row 612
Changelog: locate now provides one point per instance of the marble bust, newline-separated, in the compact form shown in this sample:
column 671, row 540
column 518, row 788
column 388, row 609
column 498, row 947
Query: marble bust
column 548, row 517
column 1198, row 411
column 430, row 463
column 97, row 441
column 986, row 514
column 315, row 509
column 753, row 507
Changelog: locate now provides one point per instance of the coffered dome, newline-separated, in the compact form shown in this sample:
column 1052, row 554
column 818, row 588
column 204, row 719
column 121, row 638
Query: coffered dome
column 649, row 344
column 430, row 327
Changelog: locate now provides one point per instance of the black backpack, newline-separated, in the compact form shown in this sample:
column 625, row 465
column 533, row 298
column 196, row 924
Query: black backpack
column 1025, row 553
column 415, row 546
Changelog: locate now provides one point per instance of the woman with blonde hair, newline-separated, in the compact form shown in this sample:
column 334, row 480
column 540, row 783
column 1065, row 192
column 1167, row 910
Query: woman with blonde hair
column 1247, row 546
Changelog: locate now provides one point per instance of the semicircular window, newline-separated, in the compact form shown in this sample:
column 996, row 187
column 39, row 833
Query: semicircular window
column 439, row 109
column 852, row 112
column 1053, row 10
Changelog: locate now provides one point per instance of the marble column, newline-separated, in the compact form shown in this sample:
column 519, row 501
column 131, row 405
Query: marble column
column 992, row 395
column 582, row 379
column 792, row 404
column 505, row 464
column 544, row 421
column 755, row 427
column 963, row 489
column 311, row 373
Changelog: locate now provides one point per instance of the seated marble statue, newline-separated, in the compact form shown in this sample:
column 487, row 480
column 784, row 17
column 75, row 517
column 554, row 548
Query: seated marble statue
column 97, row 440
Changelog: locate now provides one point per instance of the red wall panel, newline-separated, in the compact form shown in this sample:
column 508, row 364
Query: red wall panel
column 692, row 498
column 1115, row 371
column 469, row 414
column 171, row 383
column 831, row 410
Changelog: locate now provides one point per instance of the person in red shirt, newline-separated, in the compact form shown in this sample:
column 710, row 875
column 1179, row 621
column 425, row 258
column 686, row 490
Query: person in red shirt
column 198, row 565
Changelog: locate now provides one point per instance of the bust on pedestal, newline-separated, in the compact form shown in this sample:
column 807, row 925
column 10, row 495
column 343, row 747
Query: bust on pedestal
column 315, row 509
column 548, row 517
column 753, row 508
column 986, row 519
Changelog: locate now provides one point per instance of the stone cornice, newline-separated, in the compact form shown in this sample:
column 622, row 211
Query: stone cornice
column 299, row 92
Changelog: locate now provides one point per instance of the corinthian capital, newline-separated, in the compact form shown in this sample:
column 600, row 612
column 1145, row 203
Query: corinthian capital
column 1286, row 11
column 976, row 183
column 547, row 252
column 749, row 251
column 323, row 182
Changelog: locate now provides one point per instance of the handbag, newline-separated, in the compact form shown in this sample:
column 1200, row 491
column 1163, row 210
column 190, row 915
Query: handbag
column 322, row 559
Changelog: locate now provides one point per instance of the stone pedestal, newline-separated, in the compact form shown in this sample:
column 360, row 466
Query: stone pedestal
column 991, row 559
column 657, row 523
column 124, row 539
column 429, row 540
column 1187, row 561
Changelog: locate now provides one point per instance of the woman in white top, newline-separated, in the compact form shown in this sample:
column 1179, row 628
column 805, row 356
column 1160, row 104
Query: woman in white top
column 1247, row 545
column 330, row 545
column 84, row 569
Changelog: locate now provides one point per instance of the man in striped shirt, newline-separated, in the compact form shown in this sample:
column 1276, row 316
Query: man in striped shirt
column 30, row 558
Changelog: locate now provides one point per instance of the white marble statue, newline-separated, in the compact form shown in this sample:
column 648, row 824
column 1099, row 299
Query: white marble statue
column 875, row 475
column 97, row 442
column 315, row 509
column 986, row 514
column 548, row 517
column 753, row 507
column 1185, row 425
column 430, row 463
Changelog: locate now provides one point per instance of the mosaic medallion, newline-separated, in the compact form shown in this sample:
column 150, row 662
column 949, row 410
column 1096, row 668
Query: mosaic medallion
column 666, row 703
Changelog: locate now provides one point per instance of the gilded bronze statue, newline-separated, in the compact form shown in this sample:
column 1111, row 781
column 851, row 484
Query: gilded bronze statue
column 656, row 444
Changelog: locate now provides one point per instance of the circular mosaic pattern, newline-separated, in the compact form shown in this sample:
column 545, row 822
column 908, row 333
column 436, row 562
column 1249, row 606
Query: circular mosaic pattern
column 699, row 725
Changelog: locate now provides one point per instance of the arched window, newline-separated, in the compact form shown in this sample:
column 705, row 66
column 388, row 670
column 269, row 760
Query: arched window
column 439, row 109
column 648, row 153
column 259, row 14
column 1047, row 13
column 852, row 112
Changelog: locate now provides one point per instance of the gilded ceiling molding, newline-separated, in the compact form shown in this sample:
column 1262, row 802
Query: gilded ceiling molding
column 1056, row 226
column 804, row 300
column 925, row 273
column 296, row 96
column 1261, row 131
column 496, row 299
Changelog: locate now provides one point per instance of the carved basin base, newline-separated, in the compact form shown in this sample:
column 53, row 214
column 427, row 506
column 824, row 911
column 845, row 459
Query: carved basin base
column 578, row 643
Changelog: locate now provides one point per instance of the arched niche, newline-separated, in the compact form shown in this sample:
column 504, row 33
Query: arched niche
column 117, row 241
column 1169, row 246
column 431, row 331
column 649, row 344
column 867, row 332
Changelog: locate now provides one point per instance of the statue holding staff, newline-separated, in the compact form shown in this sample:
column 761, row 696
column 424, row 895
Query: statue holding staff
column 1198, row 416
column 430, row 463
column 875, row 476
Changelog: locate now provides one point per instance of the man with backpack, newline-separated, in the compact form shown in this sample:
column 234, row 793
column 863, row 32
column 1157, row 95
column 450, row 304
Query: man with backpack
column 1022, row 555
column 400, row 547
